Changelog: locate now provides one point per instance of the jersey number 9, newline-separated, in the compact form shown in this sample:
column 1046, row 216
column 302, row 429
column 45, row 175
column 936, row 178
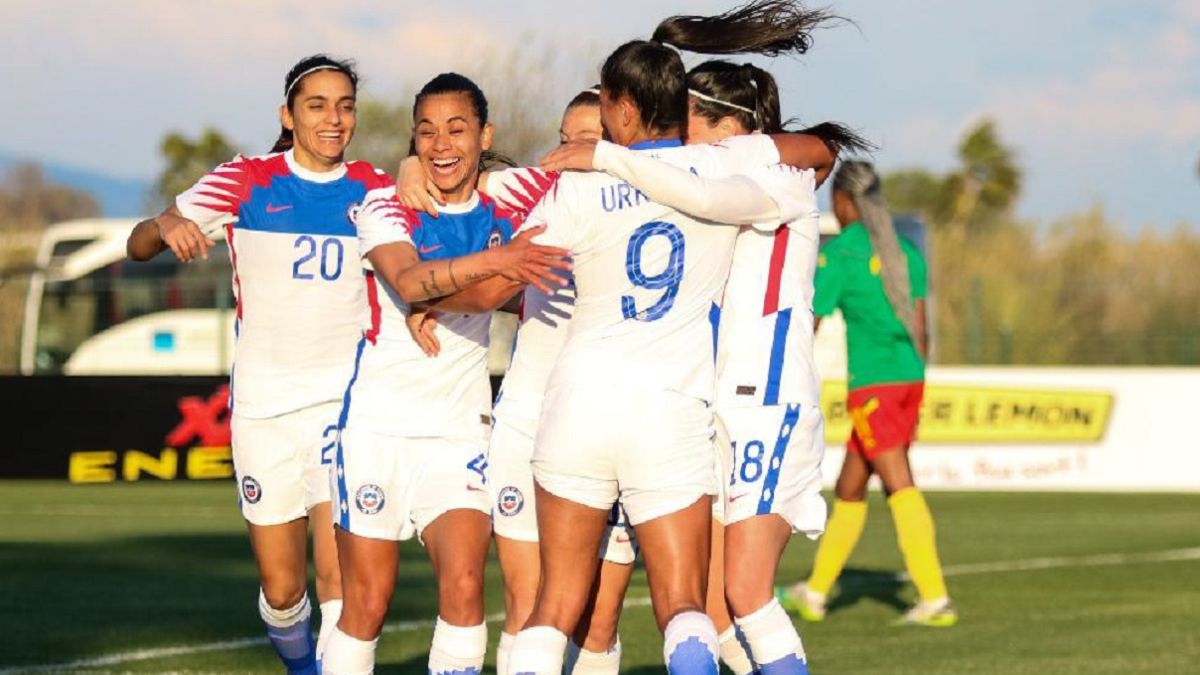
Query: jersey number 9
column 669, row 279
column 330, row 264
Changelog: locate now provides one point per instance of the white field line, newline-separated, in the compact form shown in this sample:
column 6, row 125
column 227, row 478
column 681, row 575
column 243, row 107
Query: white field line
column 1099, row 560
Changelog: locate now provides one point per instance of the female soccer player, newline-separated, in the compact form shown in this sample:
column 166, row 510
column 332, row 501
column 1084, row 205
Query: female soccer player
column 877, row 279
column 636, row 351
column 768, row 396
column 300, row 304
column 765, row 378
column 544, row 319
column 412, row 449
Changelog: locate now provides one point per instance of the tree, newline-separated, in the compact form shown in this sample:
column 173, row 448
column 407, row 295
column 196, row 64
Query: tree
column 186, row 162
column 28, row 200
column 967, row 210
column 383, row 133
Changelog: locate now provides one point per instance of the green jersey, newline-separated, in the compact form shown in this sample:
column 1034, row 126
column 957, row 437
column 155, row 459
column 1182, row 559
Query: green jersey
column 879, row 349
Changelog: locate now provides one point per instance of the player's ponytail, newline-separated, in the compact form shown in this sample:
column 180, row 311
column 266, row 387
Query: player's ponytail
column 650, row 71
column 859, row 181
column 768, row 27
column 294, row 82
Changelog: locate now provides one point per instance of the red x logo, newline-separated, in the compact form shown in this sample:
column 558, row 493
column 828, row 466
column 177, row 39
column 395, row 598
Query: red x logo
column 206, row 420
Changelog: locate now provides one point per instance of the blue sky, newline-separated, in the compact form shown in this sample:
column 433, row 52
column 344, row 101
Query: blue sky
column 1100, row 98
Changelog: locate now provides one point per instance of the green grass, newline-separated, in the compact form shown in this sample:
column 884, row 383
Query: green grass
column 92, row 571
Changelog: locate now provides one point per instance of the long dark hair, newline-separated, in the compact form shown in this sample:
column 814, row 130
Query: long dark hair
column 295, row 80
column 652, row 74
column 749, row 94
column 454, row 83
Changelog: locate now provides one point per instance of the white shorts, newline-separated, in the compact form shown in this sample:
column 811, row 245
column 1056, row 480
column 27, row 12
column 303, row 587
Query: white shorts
column 282, row 463
column 773, row 465
column 393, row 487
column 514, row 516
column 652, row 449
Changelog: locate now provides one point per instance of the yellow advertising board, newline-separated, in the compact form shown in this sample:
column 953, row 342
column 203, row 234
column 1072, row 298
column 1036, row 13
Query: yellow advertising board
column 980, row 414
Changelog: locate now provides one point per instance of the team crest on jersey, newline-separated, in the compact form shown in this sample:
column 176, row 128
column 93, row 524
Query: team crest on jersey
column 251, row 490
column 510, row 501
column 495, row 239
column 369, row 499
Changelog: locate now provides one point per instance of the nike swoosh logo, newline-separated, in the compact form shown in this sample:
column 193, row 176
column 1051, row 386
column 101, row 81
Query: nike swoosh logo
column 622, row 540
column 428, row 249
column 734, row 498
column 472, row 488
column 276, row 209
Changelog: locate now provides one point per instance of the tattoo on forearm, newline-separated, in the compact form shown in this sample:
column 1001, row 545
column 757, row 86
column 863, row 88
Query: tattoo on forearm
column 450, row 273
column 435, row 289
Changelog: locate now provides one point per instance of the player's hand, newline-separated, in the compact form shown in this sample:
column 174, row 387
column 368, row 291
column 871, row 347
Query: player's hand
column 415, row 189
column 183, row 237
column 421, row 324
column 526, row 262
column 575, row 155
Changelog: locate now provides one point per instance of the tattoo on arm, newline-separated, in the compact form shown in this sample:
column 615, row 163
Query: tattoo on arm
column 436, row 290
column 450, row 273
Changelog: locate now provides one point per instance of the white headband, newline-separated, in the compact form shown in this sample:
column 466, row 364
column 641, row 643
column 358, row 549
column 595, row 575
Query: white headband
column 710, row 99
column 593, row 90
column 301, row 76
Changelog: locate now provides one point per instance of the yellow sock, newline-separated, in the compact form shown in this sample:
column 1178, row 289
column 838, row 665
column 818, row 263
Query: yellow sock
column 918, row 543
column 841, row 534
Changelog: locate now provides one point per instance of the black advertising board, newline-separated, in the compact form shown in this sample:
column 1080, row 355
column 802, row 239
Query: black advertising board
column 109, row 429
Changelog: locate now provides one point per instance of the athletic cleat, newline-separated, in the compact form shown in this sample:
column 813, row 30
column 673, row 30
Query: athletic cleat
column 808, row 605
column 936, row 613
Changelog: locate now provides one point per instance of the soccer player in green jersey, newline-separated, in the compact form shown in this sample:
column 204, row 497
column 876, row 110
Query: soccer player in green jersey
column 877, row 279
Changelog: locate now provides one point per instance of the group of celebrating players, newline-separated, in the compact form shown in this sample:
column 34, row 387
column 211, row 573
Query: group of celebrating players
column 661, row 396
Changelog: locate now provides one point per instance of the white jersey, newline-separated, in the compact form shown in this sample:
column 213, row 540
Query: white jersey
column 398, row 389
column 765, row 336
column 297, row 277
column 646, row 275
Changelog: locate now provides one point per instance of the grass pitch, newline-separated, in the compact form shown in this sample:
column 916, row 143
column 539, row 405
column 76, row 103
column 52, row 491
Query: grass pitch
column 158, row 577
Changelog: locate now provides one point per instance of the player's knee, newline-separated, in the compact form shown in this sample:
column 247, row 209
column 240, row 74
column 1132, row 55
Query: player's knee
column 283, row 593
column 745, row 593
column 460, row 596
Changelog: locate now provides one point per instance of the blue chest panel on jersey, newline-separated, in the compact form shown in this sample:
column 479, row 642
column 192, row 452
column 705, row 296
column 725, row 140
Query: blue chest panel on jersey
column 292, row 205
column 453, row 235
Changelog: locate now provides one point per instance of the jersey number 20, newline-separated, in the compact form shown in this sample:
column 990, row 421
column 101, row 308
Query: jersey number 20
column 330, row 264
column 669, row 279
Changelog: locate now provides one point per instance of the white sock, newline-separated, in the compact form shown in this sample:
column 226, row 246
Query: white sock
column 457, row 650
column 345, row 655
column 733, row 652
column 290, row 632
column 582, row 661
column 331, row 611
column 502, row 651
column 537, row 651
column 690, row 644
column 773, row 640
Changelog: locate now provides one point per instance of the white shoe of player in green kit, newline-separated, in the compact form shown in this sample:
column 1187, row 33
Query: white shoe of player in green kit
column 938, row 613
column 810, row 605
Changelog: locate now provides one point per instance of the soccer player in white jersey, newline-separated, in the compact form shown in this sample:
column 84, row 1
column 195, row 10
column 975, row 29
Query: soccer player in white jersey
column 768, row 393
column 595, row 646
column 411, row 456
column 637, row 367
column 300, row 304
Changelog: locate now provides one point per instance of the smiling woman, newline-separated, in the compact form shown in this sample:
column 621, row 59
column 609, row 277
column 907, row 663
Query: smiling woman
column 412, row 452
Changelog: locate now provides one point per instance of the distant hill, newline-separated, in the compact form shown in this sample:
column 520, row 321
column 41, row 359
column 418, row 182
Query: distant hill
column 118, row 197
